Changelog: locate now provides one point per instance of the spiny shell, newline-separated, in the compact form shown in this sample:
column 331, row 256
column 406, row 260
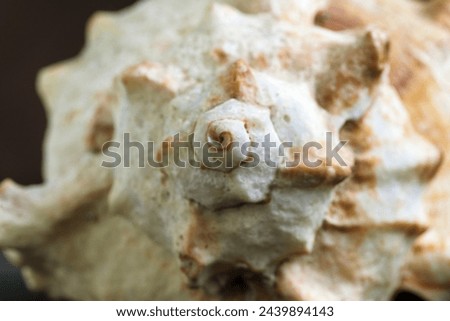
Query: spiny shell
column 420, row 71
column 222, row 71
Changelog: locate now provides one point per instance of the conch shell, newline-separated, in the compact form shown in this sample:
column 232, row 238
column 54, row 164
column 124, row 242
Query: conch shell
column 420, row 72
column 359, row 226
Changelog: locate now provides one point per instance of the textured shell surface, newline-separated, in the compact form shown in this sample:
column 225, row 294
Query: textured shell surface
column 226, row 72
column 420, row 73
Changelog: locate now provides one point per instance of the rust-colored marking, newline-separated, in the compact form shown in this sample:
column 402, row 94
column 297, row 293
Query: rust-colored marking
column 239, row 82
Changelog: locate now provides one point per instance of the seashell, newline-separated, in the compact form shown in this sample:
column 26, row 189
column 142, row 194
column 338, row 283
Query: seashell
column 420, row 74
column 330, row 199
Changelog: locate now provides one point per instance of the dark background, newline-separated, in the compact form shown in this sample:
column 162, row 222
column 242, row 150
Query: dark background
column 34, row 34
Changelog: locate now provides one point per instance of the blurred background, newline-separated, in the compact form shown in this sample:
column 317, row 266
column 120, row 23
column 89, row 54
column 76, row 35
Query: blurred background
column 35, row 34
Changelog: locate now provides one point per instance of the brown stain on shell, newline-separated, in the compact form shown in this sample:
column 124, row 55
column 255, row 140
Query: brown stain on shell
column 216, row 100
column 427, row 171
column 358, row 135
column 305, row 176
column 438, row 11
column 201, row 233
column 71, row 116
column 339, row 17
column 260, row 61
column 223, row 139
column 239, row 82
column 421, row 247
column 352, row 70
column 200, row 236
column 342, row 16
column 285, row 57
column 220, row 56
column 101, row 126
column 344, row 205
column 418, row 99
column 364, row 171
